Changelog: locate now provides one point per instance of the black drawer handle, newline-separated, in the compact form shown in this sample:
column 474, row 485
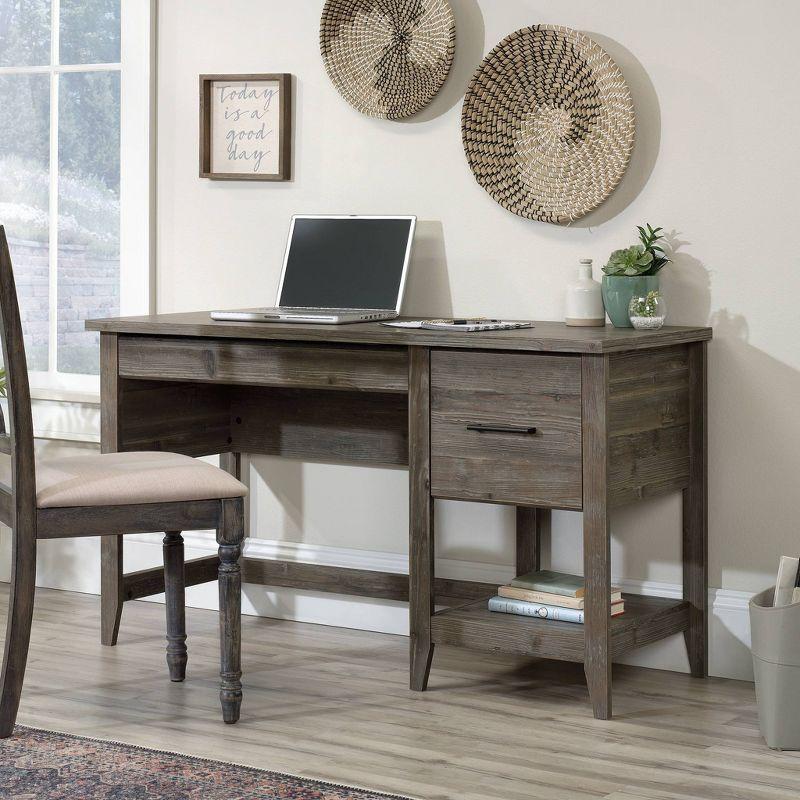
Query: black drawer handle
column 482, row 428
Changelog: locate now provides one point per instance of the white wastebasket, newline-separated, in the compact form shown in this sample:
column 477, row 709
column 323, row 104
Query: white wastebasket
column 775, row 634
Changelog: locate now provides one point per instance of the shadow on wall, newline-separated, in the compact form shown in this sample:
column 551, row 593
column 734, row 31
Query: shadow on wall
column 754, row 455
column 428, row 289
column 754, row 448
column 648, row 134
column 470, row 44
column 427, row 294
column 686, row 284
column 284, row 479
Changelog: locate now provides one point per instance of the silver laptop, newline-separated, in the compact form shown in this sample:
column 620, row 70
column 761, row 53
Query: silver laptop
column 339, row 269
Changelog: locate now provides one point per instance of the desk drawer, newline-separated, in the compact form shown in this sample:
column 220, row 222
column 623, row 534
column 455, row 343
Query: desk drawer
column 231, row 361
column 506, row 428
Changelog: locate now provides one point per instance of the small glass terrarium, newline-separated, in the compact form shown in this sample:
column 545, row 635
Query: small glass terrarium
column 647, row 312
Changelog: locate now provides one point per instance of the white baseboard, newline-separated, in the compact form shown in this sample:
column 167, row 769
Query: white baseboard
column 729, row 624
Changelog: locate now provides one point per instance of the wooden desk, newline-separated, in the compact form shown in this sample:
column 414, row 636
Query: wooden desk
column 552, row 417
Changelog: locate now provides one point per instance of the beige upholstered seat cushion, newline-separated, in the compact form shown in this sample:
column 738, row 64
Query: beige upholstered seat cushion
column 124, row 479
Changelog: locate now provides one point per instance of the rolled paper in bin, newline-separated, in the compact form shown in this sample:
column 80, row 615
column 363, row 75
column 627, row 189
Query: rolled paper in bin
column 775, row 635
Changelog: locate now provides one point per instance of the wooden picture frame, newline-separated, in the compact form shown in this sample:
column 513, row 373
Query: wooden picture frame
column 248, row 112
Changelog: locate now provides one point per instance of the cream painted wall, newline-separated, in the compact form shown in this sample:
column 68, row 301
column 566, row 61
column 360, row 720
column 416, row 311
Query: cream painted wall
column 716, row 163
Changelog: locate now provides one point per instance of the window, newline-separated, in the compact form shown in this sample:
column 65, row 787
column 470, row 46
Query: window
column 74, row 173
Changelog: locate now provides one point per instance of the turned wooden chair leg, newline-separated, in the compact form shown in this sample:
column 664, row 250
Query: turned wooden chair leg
column 18, row 632
column 175, row 590
column 229, row 537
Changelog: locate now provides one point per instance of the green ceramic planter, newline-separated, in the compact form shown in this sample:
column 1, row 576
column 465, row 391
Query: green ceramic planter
column 618, row 291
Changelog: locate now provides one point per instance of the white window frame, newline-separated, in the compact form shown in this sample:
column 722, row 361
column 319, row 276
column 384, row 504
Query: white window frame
column 137, row 128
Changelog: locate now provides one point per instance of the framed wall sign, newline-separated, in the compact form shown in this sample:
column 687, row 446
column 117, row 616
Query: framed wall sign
column 246, row 127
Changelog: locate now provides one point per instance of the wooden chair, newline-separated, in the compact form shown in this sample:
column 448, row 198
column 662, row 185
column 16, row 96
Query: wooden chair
column 97, row 495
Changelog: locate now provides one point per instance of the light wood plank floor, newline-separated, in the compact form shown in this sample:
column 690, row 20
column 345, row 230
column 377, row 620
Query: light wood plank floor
column 333, row 704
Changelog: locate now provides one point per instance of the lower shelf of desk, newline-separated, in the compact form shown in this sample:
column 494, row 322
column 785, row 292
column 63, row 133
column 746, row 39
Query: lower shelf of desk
column 646, row 620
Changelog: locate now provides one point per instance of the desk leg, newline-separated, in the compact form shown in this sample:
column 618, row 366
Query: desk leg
column 695, row 516
column 421, row 545
column 232, row 464
column 596, row 538
column 530, row 523
column 111, row 586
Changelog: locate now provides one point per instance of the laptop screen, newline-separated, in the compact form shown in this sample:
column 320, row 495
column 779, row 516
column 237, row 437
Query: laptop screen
column 345, row 262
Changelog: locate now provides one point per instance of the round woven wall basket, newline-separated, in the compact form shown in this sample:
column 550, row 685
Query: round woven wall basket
column 548, row 124
column 387, row 58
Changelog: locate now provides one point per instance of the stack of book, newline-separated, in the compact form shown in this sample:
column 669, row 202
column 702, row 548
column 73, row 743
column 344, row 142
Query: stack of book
column 548, row 595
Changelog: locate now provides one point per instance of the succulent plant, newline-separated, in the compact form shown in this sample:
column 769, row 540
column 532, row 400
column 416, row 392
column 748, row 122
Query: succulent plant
column 650, row 237
column 645, row 306
column 631, row 261
column 3, row 384
column 646, row 258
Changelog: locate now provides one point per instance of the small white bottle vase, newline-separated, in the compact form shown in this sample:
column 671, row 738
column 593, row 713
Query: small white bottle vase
column 584, row 305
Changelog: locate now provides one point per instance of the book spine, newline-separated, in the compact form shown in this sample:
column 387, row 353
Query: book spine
column 545, row 598
column 547, row 588
column 505, row 605
column 548, row 599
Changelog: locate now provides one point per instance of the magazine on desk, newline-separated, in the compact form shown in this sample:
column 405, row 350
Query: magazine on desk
column 470, row 325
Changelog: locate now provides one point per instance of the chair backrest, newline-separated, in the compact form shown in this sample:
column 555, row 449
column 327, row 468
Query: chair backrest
column 17, row 500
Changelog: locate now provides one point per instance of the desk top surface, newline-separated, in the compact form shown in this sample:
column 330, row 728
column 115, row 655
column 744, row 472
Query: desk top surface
column 543, row 337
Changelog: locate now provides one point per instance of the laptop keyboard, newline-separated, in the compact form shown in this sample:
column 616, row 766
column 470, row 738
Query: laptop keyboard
column 318, row 310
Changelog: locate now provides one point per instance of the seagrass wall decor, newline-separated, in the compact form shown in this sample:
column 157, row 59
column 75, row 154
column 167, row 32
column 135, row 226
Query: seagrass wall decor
column 548, row 124
column 387, row 58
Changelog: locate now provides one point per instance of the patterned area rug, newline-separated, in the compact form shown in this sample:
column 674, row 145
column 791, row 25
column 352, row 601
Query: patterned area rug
column 39, row 765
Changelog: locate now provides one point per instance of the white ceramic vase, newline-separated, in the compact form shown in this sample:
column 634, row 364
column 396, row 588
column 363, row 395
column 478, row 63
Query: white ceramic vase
column 584, row 306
